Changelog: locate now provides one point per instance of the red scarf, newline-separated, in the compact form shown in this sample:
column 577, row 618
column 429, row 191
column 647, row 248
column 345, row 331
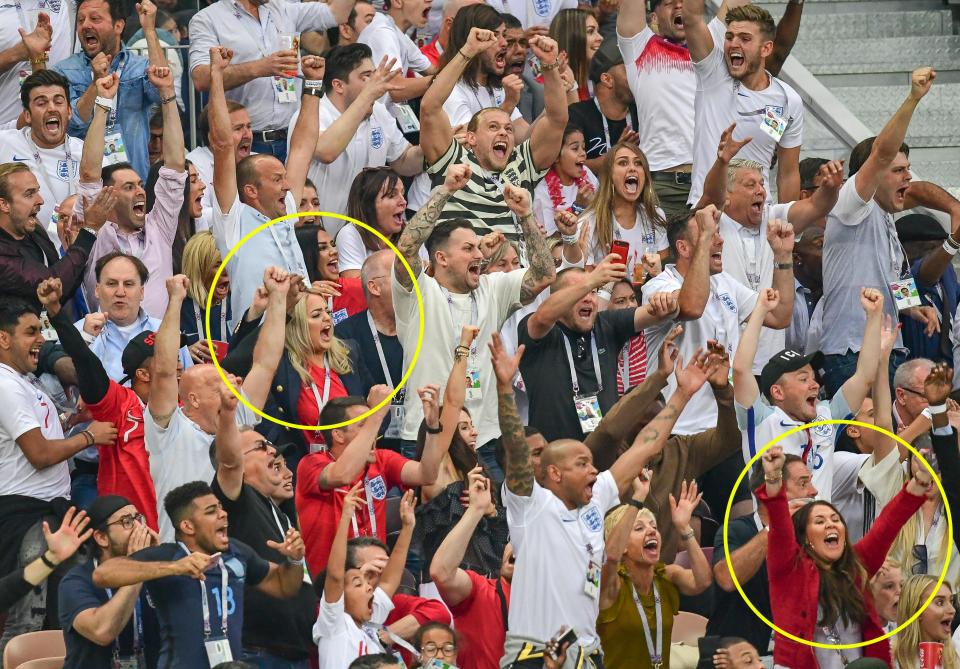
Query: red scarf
column 555, row 188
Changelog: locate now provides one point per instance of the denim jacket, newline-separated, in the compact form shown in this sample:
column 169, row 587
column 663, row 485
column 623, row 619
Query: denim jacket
column 135, row 99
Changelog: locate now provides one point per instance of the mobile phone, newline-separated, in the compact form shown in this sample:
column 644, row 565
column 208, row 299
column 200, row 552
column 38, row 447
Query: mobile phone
column 567, row 639
column 620, row 248
column 222, row 348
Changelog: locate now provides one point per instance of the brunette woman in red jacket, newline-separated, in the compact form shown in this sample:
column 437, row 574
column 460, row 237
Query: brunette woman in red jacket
column 819, row 582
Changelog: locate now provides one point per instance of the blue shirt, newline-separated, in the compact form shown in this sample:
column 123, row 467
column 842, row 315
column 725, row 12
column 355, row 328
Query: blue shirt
column 179, row 609
column 135, row 99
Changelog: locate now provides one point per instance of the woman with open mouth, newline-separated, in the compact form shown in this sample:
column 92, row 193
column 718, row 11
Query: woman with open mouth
column 639, row 594
column 819, row 581
column 578, row 35
column 322, row 258
column 625, row 209
column 933, row 626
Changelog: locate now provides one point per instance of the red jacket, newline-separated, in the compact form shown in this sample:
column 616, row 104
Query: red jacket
column 795, row 579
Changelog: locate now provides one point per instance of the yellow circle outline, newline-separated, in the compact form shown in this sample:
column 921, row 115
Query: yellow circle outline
column 213, row 353
column 726, row 544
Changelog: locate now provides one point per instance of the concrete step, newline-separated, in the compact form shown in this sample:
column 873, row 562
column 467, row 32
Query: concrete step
column 866, row 6
column 892, row 54
column 936, row 122
column 861, row 25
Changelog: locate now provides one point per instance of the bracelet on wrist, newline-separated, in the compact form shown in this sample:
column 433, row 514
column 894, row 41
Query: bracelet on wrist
column 774, row 479
column 783, row 265
column 636, row 503
column 465, row 56
column 313, row 83
column 546, row 67
column 570, row 240
column 434, row 430
column 106, row 103
column 937, row 408
column 949, row 248
column 315, row 92
column 688, row 535
column 88, row 435
column 47, row 561
column 952, row 241
column 166, row 101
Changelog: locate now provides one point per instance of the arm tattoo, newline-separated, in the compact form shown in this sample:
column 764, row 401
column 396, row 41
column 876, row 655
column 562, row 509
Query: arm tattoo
column 519, row 472
column 416, row 233
column 542, row 271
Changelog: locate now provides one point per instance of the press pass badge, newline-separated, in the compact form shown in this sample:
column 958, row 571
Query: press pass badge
column 285, row 89
column 114, row 149
column 397, row 415
column 406, row 118
column 125, row 662
column 591, row 586
column 905, row 293
column 218, row 651
column 473, row 384
column 588, row 412
column 773, row 123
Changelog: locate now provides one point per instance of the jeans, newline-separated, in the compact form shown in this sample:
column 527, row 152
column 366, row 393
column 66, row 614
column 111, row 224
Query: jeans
column 838, row 368
column 83, row 489
column 264, row 660
column 276, row 148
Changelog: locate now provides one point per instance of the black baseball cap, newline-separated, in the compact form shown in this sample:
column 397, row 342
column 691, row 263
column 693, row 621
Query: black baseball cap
column 103, row 507
column 137, row 351
column 786, row 361
column 607, row 56
column 920, row 228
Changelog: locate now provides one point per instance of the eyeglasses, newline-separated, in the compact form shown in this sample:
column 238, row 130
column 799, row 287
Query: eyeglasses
column 919, row 554
column 448, row 649
column 127, row 522
column 918, row 393
column 262, row 445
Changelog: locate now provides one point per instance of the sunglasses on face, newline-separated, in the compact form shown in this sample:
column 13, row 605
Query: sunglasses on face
column 261, row 445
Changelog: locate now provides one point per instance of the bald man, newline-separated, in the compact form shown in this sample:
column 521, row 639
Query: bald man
column 182, row 419
column 434, row 49
column 557, row 527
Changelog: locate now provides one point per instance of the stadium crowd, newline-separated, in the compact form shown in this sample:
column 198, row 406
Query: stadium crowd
column 501, row 423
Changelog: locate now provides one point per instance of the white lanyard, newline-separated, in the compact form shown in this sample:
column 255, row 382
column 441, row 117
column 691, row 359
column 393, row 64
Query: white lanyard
column 517, row 228
column 223, row 322
column 496, row 99
column 205, row 605
column 276, row 519
column 474, row 317
column 573, row 370
column 137, row 623
column 326, row 387
column 923, row 536
column 112, row 120
column 752, row 260
column 41, row 172
column 376, row 342
column 606, row 128
column 656, row 653
column 625, row 365
column 901, row 271
column 370, row 511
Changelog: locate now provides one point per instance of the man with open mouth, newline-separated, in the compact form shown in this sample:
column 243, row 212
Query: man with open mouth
column 733, row 86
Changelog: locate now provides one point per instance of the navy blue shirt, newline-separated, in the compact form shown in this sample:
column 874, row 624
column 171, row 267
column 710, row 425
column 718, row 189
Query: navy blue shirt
column 78, row 594
column 178, row 604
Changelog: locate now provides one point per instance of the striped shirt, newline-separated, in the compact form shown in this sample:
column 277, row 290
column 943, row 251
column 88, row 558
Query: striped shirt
column 632, row 362
column 481, row 200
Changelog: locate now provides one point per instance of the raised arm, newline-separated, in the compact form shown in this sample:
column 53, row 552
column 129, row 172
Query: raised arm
column 888, row 142
column 693, row 295
column 156, row 54
column 453, row 582
column 436, row 446
column 699, row 39
column 804, row 213
column 283, row 581
column 745, row 388
column 333, row 141
column 882, row 399
column 698, row 578
column 631, row 18
column 421, row 225
column 121, row 571
column 931, row 196
column 307, row 127
column 519, row 472
column 164, row 392
column 435, row 130
column 857, row 387
column 221, row 132
column 35, row 42
column 542, row 271
column 345, row 469
column 781, row 239
column 653, row 437
column 393, row 572
column 269, row 347
column 546, row 137
column 715, row 184
column 333, row 583
column 786, row 37
column 91, row 160
column 228, row 448
column 173, row 145
column 562, row 301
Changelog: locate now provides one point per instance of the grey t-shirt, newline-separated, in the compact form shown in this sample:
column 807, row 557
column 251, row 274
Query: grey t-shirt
column 860, row 250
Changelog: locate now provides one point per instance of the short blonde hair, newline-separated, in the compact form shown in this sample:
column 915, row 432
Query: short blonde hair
column 6, row 169
column 201, row 258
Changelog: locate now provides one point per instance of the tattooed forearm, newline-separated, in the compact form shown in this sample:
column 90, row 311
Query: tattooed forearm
column 648, row 443
column 542, row 271
column 519, row 473
column 415, row 234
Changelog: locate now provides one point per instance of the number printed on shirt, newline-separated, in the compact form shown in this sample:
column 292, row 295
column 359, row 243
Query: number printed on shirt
column 231, row 603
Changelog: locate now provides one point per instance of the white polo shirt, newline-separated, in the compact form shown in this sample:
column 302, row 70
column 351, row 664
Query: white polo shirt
column 61, row 13
column 533, row 12
column 554, row 546
column 729, row 304
column 385, row 39
column 27, row 407
column 57, row 171
column 748, row 258
column 377, row 142
column 227, row 23
column 338, row 637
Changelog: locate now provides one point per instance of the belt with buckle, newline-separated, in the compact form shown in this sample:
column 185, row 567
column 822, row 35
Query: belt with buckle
column 679, row 178
column 269, row 135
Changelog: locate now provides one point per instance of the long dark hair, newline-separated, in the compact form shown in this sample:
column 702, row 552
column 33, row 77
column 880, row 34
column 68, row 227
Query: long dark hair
column 472, row 16
column 841, row 583
column 362, row 201
column 307, row 239
column 463, row 456
column 186, row 227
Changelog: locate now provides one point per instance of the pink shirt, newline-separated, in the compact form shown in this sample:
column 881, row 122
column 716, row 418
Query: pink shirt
column 153, row 245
